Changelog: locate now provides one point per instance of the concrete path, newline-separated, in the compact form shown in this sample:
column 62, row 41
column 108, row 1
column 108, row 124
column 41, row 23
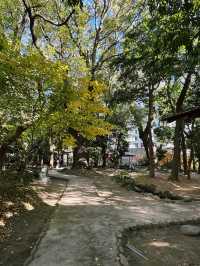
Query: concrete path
column 91, row 212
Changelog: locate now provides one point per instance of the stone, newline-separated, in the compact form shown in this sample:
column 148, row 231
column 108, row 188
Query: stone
column 123, row 260
column 187, row 199
column 119, row 235
column 190, row 230
column 137, row 189
column 121, row 249
column 156, row 197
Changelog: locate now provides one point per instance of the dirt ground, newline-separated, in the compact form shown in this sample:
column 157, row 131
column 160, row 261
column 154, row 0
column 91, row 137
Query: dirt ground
column 93, row 213
column 24, row 214
column 165, row 246
column 184, row 187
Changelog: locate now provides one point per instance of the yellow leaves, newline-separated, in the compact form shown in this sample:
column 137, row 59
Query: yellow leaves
column 101, row 128
column 197, row 4
column 50, row 51
column 62, row 67
column 3, row 42
column 85, row 111
column 75, row 102
column 63, row 33
column 98, row 87
column 182, row 49
column 69, row 141
column 74, row 105
column 91, row 89
column 88, row 98
column 33, row 65
column 59, row 72
column 36, row 67
column 83, row 16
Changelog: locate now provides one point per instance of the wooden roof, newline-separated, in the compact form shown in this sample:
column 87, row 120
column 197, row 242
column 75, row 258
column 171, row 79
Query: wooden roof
column 187, row 115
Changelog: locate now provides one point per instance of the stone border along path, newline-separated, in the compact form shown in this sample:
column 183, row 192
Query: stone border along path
column 87, row 226
column 132, row 185
column 123, row 234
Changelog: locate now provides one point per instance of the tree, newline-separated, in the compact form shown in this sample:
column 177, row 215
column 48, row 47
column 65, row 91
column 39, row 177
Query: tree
column 161, row 47
column 141, row 70
column 96, row 32
column 35, row 12
column 38, row 88
column 177, row 25
column 25, row 81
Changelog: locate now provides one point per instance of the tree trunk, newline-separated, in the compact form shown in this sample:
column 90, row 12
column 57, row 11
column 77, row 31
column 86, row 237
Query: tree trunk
column 3, row 150
column 88, row 158
column 150, row 139
column 179, row 129
column 104, row 156
column 75, row 156
column 51, row 150
column 198, row 166
column 4, row 147
column 194, row 164
column 193, row 147
column 190, row 162
column 144, row 137
column 184, row 152
column 177, row 150
column 151, row 155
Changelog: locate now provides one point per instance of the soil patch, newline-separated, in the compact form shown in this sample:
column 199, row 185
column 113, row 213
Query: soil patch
column 162, row 246
column 131, row 184
column 183, row 188
column 25, row 211
column 188, row 189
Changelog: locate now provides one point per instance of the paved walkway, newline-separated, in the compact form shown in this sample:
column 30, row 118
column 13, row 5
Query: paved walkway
column 89, row 216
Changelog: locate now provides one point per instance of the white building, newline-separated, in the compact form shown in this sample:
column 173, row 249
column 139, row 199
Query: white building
column 134, row 140
column 136, row 151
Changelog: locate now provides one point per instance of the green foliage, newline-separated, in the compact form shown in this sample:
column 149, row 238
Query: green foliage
column 38, row 93
column 54, row 73
column 164, row 134
column 26, row 83
column 160, row 153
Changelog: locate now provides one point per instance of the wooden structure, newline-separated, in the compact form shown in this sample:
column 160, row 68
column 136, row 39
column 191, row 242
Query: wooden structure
column 187, row 115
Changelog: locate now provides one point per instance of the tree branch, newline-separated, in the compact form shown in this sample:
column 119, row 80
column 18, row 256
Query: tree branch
column 33, row 17
column 183, row 92
column 54, row 23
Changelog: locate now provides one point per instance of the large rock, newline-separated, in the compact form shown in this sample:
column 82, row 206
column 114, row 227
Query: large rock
column 190, row 230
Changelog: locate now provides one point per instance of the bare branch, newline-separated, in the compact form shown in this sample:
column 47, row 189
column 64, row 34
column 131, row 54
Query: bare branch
column 33, row 17
column 54, row 23
column 78, row 45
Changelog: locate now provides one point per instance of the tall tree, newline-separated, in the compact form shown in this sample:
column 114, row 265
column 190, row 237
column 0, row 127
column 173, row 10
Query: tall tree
column 37, row 86
column 162, row 46
column 177, row 25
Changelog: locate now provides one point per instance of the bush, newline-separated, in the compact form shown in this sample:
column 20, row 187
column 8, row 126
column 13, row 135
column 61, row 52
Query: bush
column 143, row 162
column 25, row 177
column 130, row 184
column 160, row 153
column 167, row 165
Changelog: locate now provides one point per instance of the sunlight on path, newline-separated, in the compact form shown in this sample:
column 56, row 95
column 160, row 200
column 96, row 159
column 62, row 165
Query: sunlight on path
column 91, row 212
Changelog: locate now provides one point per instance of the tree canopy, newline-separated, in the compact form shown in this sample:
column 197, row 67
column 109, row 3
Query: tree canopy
column 77, row 73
